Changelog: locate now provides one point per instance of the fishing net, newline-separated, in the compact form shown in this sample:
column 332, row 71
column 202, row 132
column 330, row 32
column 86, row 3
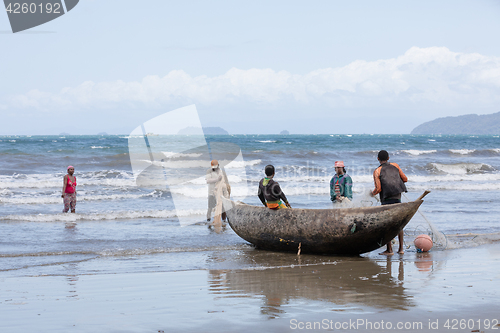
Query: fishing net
column 420, row 224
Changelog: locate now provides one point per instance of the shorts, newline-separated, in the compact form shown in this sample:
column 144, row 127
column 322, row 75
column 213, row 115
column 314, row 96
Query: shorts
column 279, row 205
column 391, row 201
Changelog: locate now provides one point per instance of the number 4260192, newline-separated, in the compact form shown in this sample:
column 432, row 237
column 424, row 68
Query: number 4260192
column 455, row 324
column 24, row 8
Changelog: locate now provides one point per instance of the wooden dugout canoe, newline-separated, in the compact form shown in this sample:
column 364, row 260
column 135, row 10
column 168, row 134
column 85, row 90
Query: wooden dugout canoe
column 329, row 231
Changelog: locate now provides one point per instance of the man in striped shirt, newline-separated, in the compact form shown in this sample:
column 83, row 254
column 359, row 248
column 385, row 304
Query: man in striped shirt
column 340, row 184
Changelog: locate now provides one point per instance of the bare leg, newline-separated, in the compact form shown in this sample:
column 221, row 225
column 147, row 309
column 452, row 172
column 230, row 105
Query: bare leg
column 388, row 252
column 401, row 249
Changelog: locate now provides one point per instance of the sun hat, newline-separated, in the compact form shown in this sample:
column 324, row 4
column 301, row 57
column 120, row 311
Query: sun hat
column 339, row 164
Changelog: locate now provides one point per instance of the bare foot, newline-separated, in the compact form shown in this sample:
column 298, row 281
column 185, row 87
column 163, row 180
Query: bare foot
column 401, row 252
column 386, row 253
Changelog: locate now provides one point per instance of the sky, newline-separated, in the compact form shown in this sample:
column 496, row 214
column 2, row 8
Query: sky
column 252, row 67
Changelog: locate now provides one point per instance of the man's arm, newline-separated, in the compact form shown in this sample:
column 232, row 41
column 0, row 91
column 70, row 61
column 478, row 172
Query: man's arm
column 210, row 179
column 260, row 194
column 401, row 173
column 348, row 187
column 332, row 189
column 376, row 180
column 277, row 189
column 283, row 197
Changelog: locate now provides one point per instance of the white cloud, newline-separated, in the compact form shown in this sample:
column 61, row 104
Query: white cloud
column 422, row 76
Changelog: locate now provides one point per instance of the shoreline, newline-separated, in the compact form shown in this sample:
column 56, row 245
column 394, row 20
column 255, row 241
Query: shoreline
column 413, row 287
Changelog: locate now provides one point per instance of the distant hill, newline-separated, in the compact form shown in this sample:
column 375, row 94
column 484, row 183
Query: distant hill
column 206, row 131
column 467, row 124
column 285, row 132
column 215, row 131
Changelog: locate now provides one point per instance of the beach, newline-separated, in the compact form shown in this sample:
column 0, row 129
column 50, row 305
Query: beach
column 138, row 257
column 210, row 166
column 275, row 292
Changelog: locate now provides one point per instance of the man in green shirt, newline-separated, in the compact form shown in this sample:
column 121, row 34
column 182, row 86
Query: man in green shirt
column 341, row 184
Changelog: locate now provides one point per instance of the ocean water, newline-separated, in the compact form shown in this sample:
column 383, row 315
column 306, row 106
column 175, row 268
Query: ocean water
column 123, row 224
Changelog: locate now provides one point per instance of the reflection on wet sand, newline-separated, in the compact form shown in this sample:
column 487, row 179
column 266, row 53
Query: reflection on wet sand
column 401, row 271
column 343, row 281
column 72, row 280
column 424, row 262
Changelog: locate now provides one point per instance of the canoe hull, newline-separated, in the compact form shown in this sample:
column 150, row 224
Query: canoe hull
column 329, row 231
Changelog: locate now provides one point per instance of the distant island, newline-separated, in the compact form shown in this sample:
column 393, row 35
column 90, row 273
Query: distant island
column 206, row 131
column 467, row 124
column 285, row 132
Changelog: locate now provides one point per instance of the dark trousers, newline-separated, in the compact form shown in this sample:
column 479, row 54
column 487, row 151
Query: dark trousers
column 391, row 201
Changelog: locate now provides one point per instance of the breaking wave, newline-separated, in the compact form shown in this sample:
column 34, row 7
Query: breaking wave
column 56, row 198
column 116, row 215
column 460, row 168
column 462, row 151
column 415, row 152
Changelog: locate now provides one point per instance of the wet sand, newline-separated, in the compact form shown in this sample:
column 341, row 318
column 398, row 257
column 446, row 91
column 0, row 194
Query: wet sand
column 273, row 292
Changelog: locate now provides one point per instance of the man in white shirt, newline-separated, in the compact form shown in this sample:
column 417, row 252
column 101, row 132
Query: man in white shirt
column 213, row 177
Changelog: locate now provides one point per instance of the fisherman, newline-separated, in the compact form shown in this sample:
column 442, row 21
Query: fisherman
column 270, row 191
column 214, row 177
column 340, row 184
column 389, row 184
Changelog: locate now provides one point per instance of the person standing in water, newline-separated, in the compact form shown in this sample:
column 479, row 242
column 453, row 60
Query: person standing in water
column 340, row 184
column 389, row 183
column 270, row 191
column 69, row 190
column 213, row 177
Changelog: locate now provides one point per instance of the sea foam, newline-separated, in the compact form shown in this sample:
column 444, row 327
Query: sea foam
column 104, row 216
